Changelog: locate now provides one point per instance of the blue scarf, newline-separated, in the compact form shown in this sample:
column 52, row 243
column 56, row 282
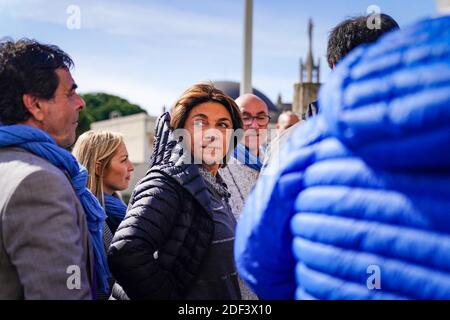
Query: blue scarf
column 243, row 155
column 41, row 144
column 115, row 209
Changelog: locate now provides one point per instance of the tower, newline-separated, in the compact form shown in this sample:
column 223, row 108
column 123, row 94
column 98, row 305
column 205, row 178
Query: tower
column 305, row 92
column 311, row 70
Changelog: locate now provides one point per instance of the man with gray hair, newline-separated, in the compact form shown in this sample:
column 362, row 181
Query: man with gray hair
column 242, row 170
column 244, row 166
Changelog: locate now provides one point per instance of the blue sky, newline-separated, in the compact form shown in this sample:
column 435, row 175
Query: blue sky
column 150, row 51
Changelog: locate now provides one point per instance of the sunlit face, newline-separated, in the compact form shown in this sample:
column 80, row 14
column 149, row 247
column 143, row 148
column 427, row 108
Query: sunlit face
column 255, row 119
column 60, row 114
column 210, row 129
column 117, row 174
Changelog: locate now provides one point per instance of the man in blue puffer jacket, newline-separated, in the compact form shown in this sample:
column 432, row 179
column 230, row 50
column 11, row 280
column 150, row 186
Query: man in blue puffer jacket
column 358, row 206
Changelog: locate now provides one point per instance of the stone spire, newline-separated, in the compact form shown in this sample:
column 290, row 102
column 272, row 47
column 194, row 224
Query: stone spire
column 309, row 67
column 309, row 59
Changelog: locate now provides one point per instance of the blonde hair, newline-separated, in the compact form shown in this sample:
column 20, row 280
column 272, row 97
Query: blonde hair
column 96, row 147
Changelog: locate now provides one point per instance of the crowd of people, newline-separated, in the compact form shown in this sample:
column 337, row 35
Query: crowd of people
column 350, row 203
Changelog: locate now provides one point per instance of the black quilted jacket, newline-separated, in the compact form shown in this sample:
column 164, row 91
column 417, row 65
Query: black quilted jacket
column 158, row 249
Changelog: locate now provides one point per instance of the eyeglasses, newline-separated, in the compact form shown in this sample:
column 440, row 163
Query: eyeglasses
column 261, row 120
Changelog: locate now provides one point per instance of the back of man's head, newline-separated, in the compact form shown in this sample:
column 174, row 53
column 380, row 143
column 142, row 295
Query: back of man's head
column 353, row 32
column 286, row 120
column 27, row 67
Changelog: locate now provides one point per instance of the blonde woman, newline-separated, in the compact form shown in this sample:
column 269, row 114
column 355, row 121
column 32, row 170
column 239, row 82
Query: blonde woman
column 105, row 156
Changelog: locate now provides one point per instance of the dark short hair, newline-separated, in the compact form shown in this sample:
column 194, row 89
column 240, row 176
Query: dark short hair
column 198, row 94
column 27, row 67
column 353, row 32
column 201, row 93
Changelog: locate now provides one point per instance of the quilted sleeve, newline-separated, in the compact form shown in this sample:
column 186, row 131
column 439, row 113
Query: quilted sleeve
column 133, row 255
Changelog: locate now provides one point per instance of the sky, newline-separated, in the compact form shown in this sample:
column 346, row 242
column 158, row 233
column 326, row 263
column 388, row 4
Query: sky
column 150, row 51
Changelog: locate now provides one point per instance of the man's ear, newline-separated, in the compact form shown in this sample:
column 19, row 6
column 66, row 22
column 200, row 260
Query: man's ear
column 31, row 102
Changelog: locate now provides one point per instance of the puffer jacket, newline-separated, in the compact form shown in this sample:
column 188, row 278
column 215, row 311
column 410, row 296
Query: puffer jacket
column 160, row 246
column 358, row 205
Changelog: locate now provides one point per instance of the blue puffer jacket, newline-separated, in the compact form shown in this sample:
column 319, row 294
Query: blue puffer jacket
column 358, row 207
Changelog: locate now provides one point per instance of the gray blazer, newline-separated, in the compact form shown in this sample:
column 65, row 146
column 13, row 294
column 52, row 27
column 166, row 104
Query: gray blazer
column 240, row 180
column 44, row 244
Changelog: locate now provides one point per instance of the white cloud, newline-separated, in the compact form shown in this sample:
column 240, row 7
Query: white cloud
column 35, row 10
column 128, row 19
column 181, row 37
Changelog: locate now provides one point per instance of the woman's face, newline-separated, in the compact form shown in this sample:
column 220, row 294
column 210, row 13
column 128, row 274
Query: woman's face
column 117, row 174
column 210, row 129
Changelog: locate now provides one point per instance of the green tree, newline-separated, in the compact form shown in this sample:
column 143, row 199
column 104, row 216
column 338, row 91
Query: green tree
column 99, row 107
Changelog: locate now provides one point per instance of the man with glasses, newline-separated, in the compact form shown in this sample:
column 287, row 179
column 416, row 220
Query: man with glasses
column 255, row 116
column 244, row 166
column 243, row 169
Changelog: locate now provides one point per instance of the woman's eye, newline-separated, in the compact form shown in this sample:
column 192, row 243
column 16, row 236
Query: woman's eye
column 224, row 125
column 198, row 123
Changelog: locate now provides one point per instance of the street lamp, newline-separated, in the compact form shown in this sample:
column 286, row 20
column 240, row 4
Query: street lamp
column 246, row 81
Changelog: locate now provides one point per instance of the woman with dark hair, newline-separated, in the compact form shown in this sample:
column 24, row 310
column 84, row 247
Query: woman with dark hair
column 176, row 241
